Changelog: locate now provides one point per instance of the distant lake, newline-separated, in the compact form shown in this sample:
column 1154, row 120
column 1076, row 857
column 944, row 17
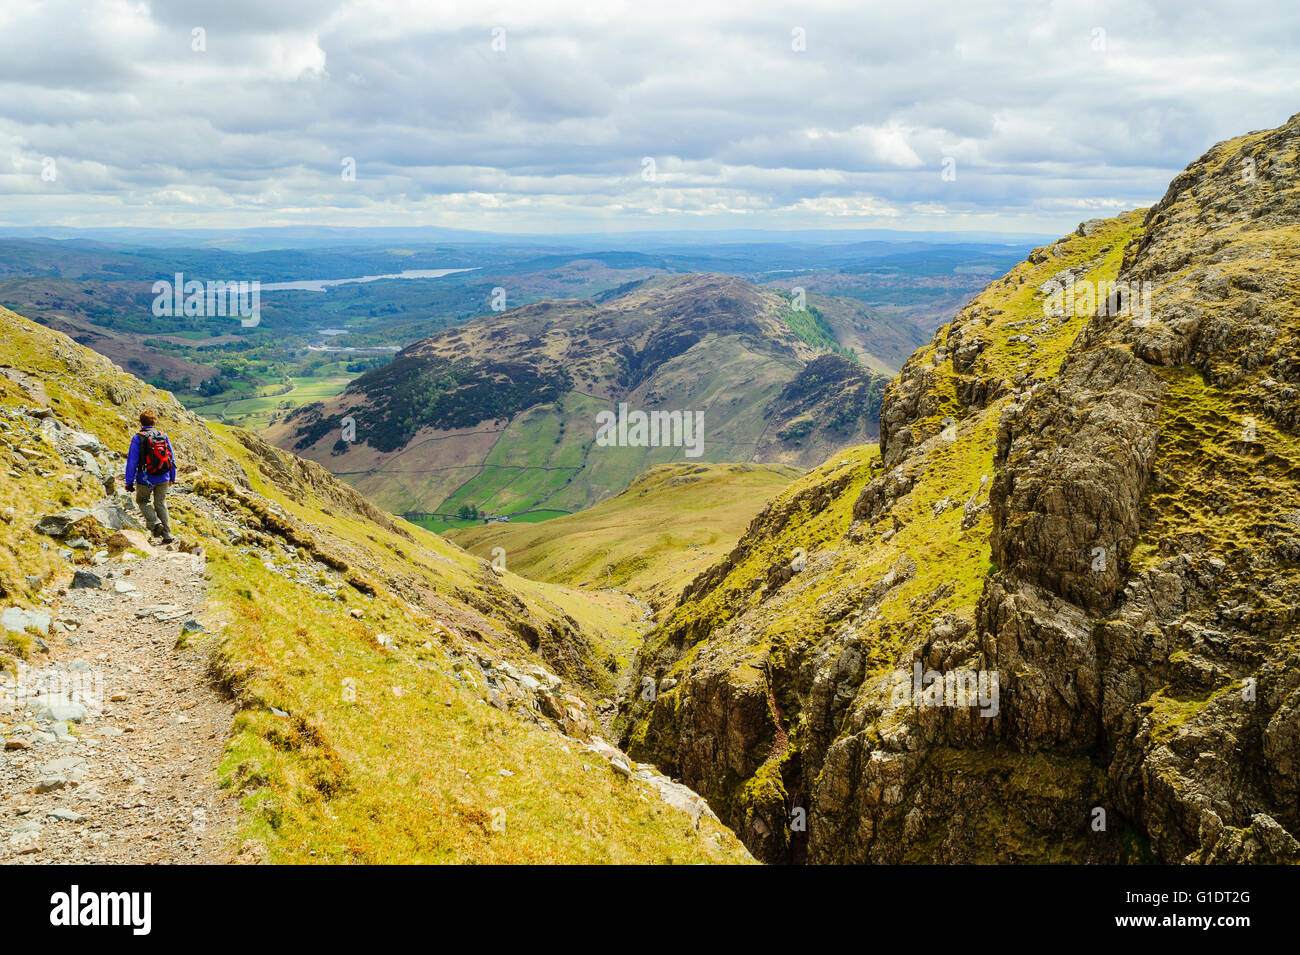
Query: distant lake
column 320, row 285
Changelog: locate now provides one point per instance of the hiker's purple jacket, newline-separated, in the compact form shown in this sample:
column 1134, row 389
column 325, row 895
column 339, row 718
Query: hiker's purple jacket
column 135, row 465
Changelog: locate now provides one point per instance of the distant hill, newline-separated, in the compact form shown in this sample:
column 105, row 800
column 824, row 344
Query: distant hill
column 502, row 413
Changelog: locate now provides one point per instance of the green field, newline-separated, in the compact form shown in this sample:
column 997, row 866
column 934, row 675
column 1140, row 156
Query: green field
column 537, row 456
column 253, row 410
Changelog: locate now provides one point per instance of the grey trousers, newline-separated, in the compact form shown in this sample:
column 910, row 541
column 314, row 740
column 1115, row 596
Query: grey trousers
column 153, row 505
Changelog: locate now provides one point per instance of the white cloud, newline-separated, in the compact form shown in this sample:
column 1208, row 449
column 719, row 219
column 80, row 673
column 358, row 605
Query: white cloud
column 1045, row 123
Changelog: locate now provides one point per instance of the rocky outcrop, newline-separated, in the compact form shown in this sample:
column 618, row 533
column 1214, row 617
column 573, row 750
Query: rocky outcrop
column 1086, row 496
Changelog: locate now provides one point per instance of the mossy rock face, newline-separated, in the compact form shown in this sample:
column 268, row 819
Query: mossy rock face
column 1101, row 504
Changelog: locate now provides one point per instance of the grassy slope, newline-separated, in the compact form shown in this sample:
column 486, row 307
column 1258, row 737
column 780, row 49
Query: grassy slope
column 650, row 540
column 881, row 343
column 385, row 777
column 536, row 457
column 547, row 458
column 373, row 776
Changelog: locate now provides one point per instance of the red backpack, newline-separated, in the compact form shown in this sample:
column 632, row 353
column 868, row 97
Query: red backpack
column 155, row 453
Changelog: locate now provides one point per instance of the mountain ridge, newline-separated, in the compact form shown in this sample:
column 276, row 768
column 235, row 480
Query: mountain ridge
column 520, row 392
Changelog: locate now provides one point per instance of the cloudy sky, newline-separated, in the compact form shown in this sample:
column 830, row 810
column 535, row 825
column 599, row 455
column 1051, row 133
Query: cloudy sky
column 546, row 116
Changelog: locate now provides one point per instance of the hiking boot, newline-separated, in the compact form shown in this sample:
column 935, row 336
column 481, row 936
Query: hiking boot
column 168, row 539
column 157, row 530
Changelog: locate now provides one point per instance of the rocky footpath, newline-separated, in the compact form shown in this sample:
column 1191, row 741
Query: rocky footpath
column 112, row 731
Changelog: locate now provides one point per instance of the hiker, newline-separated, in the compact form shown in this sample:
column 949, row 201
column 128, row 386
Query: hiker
column 150, row 471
